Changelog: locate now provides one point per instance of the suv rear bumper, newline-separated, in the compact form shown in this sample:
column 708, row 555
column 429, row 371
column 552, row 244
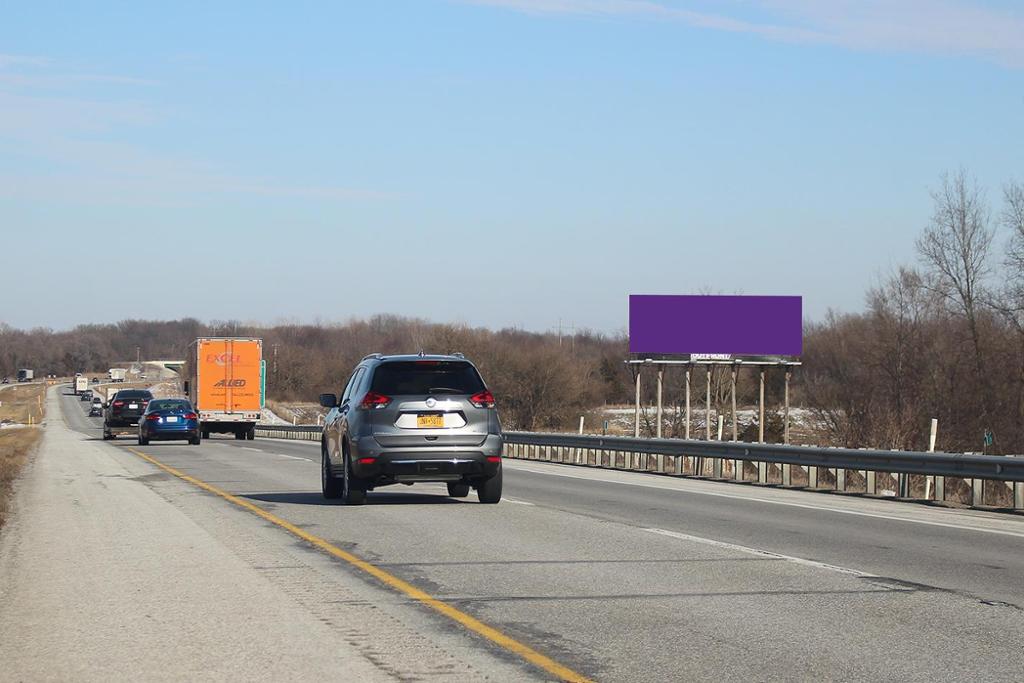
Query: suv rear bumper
column 429, row 463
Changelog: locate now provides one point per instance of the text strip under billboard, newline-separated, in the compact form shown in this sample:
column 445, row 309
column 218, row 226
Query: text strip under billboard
column 740, row 325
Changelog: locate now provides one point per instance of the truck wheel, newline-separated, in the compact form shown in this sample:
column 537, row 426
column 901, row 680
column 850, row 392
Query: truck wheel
column 489, row 490
column 239, row 436
column 143, row 441
column 250, row 433
column 329, row 484
column 107, row 436
column 205, row 433
column 194, row 441
column 458, row 489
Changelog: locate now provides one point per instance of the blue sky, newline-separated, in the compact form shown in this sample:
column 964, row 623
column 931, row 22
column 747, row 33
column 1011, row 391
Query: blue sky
column 498, row 163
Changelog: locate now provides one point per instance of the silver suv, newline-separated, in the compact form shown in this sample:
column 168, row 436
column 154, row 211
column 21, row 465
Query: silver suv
column 408, row 419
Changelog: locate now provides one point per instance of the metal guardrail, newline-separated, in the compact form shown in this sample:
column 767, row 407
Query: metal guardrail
column 725, row 460
column 908, row 462
column 300, row 432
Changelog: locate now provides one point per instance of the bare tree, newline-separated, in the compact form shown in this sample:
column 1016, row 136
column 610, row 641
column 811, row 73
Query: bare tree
column 955, row 247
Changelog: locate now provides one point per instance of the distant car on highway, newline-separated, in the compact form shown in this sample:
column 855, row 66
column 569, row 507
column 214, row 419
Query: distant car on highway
column 406, row 419
column 85, row 395
column 169, row 418
column 5, row 380
column 124, row 411
column 96, row 408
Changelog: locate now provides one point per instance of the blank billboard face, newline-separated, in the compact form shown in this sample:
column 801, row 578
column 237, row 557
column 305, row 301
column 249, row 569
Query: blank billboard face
column 738, row 325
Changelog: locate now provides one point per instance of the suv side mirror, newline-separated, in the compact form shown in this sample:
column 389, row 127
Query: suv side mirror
column 328, row 400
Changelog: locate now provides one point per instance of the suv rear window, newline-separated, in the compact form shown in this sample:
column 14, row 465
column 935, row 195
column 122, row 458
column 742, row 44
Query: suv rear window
column 133, row 393
column 400, row 378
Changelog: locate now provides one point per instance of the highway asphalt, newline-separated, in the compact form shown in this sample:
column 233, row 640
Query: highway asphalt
column 626, row 577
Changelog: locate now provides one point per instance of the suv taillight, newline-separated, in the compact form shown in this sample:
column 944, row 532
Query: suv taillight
column 484, row 399
column 153, row 417
column 118, row 404
column 374, row 401
column 190, row 416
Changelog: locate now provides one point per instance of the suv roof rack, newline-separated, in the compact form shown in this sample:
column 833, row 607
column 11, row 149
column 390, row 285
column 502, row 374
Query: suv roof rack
column 370, row 355
column 459, row 354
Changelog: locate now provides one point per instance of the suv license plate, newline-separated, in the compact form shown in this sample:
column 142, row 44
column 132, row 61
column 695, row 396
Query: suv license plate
column 133, row 406
column 429, row 421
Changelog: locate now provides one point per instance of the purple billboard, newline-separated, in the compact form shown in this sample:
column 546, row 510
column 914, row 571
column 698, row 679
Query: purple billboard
column 738, row 325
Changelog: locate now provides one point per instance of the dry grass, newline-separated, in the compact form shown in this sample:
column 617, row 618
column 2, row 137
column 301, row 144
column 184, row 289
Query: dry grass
column 302, row 413
column 15, row 446
column 20, row 403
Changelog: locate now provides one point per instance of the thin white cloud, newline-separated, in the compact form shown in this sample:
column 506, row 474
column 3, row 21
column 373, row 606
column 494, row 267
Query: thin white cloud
column 55, row 120
column 21, row 60
column 942, row 27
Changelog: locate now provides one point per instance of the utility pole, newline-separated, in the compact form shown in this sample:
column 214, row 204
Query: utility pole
column 138, row 354
column 275, row 361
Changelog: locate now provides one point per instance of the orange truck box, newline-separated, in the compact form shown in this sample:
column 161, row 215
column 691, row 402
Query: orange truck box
column 225, row 383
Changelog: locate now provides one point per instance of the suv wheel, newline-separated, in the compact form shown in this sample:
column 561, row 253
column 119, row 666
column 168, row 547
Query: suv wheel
column 458, row 489
column 329, row 484
column 353, row 493
column 489, row 490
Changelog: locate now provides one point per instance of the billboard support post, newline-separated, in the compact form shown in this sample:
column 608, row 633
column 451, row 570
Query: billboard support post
column 687, row 428
column 707, row 404
column 661, row 377
column 732, row 392
column 636, row 411
column 785, row 409
column 760, row 412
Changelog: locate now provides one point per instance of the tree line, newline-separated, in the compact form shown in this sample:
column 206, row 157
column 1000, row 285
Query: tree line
column 939, row 338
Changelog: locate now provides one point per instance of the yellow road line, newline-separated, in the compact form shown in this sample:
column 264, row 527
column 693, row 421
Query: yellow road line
column 475, row 625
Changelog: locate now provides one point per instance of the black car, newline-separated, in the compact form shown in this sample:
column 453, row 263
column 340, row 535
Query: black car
column 125, row 411
column 85, row 395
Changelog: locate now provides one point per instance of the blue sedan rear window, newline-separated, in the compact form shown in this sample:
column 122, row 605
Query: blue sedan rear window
column 169, row 405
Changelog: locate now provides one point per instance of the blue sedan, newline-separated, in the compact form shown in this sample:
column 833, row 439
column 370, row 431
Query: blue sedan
column 169, row 418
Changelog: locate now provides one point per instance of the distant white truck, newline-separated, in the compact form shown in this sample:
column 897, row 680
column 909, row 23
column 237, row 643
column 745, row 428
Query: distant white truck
column 116, row 374
column 26, row 375
column 81, row 384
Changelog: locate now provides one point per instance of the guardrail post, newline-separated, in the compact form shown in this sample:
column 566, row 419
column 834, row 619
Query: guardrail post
column 870, row 486
column 737, row 469
column 977, row 492
column 762, row 471
column 940, row 489
column 716, row 468
column 787, row 474
column 840, row 479
column 1018, row 495
column 812, row 477
column 660, row 460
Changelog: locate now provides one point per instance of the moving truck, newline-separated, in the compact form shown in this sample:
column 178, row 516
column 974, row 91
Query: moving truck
column 81, row 384
column 26, row 375
column 116, row 374
column 224, row 378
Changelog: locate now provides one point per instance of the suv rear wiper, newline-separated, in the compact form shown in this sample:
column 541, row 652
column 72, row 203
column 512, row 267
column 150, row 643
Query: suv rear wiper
column 445, row 390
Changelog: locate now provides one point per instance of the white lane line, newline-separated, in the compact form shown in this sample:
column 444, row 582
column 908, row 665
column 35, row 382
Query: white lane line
column 250, row 448
column 806, row 506
column 517, row 502
column 291, row 457
column 763, row 553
